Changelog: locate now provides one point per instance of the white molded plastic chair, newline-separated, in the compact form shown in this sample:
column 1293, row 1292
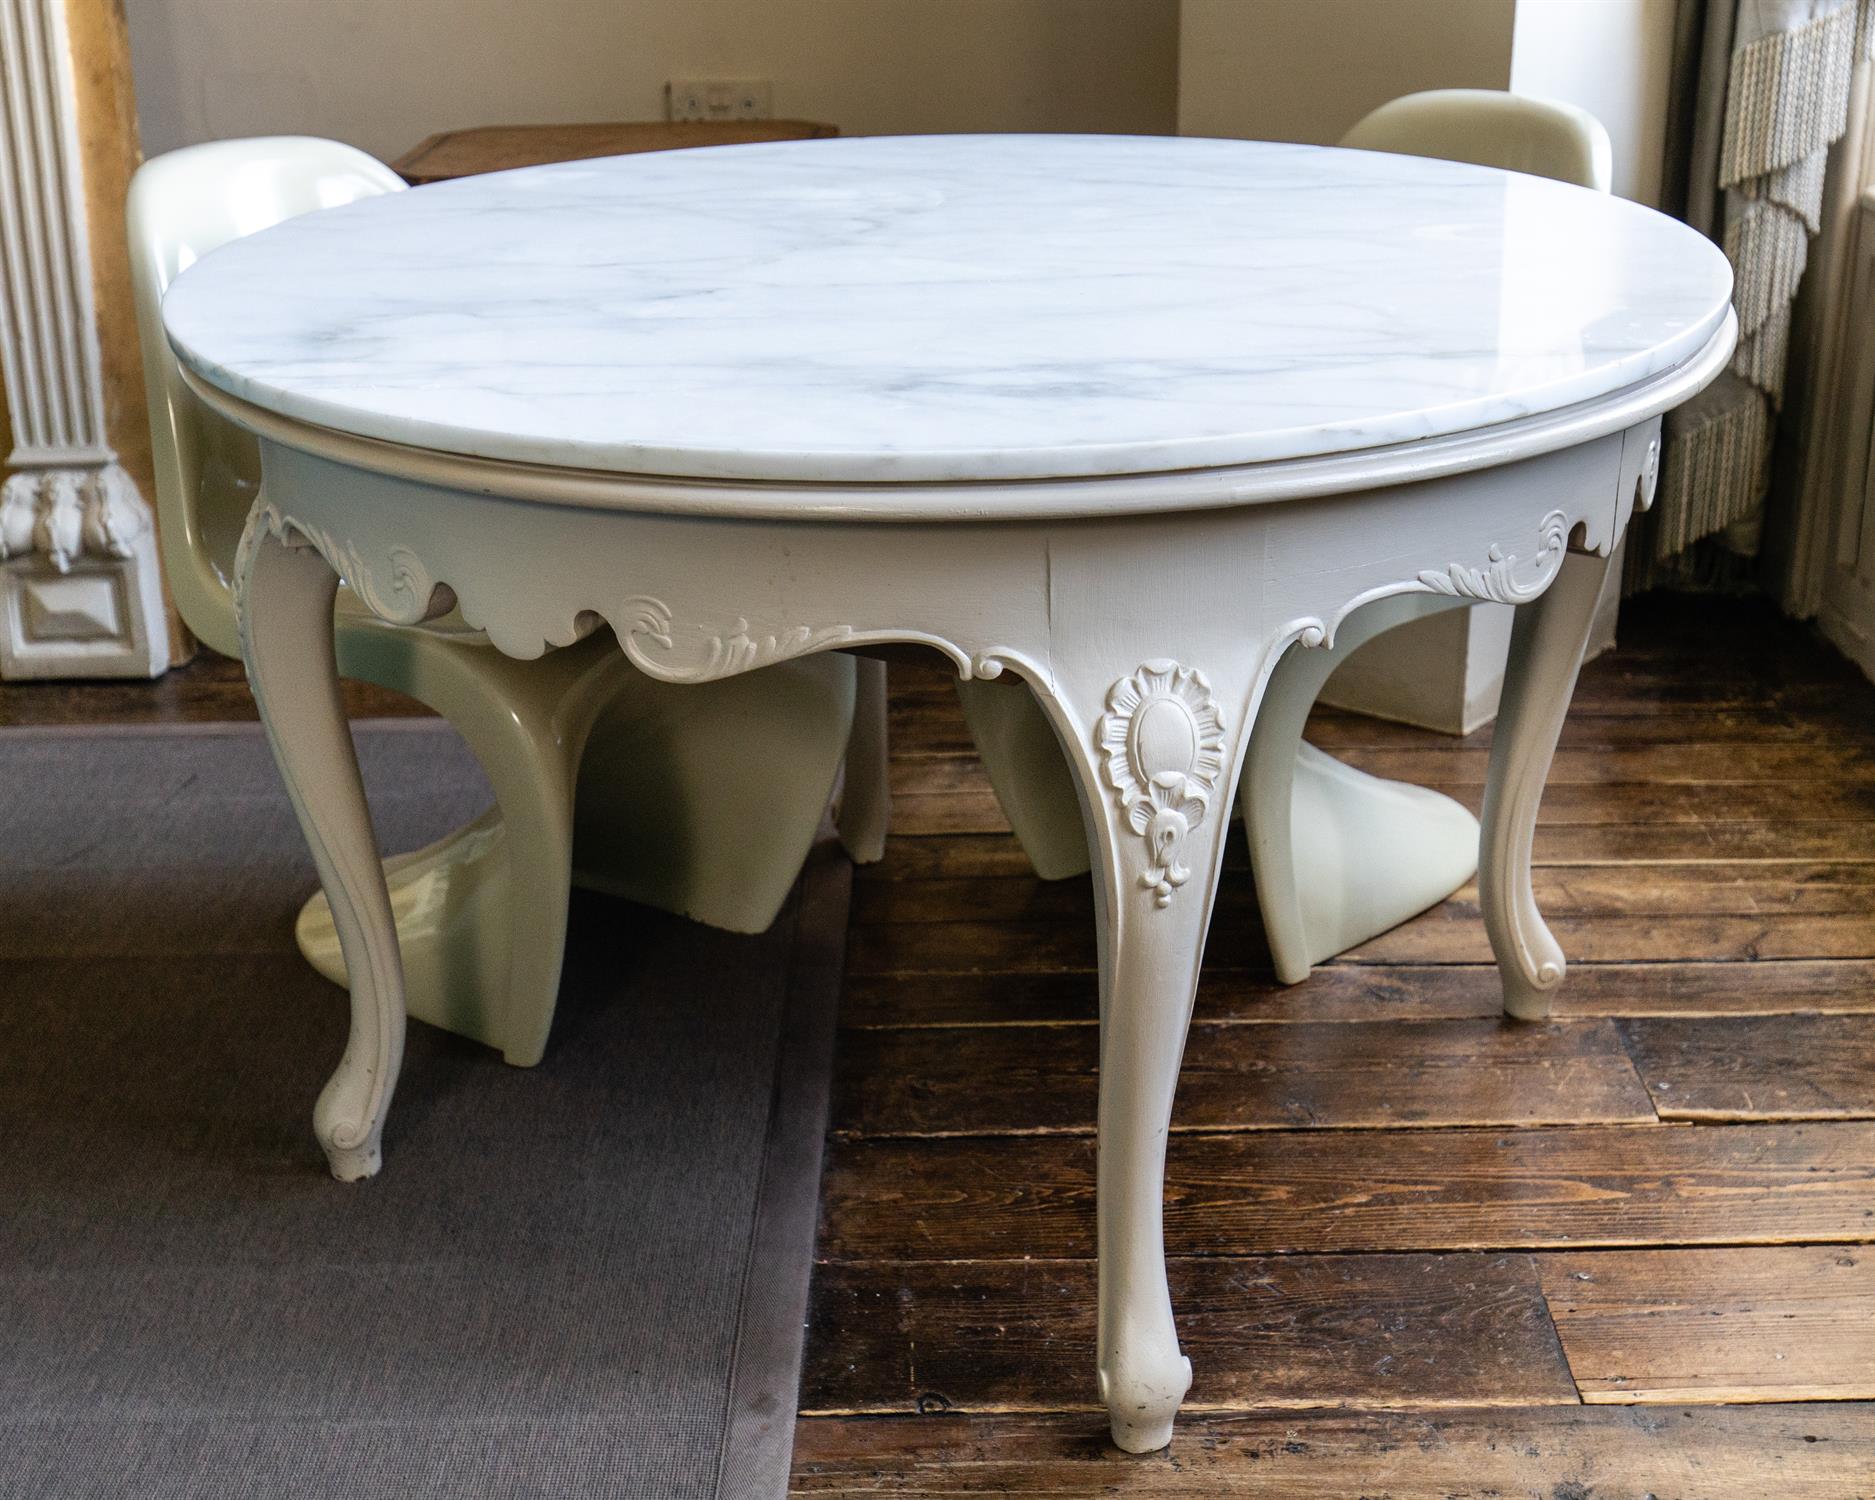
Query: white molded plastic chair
column 699, row 799
column 1339, row 856
column 1368, row 853
column 1489, row 128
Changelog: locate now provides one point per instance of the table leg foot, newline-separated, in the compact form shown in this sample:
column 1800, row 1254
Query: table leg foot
column 1530, row 998
column 348, row 1163
column 1142, row 1400
column 1546, row 646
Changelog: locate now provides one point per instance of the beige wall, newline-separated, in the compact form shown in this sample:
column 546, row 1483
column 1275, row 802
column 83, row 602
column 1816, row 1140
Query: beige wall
column 1305, row 70
column 382, row 74
column 1611, row 57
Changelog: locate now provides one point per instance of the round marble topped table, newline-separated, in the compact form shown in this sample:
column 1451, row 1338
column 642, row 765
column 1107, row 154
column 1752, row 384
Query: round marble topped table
column 1127, row 418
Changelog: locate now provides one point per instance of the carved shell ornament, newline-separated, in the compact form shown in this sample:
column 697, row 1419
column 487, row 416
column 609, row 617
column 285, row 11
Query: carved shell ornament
column 1163, row 742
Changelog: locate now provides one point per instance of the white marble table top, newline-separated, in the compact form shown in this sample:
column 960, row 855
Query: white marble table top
column 949, row 308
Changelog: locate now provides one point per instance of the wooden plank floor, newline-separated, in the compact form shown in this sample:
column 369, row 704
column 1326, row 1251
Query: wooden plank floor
column 1417, row 1250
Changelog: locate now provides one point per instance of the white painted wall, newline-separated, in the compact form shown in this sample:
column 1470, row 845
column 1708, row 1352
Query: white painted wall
column 1612, row 58
column 382, row 74
column 1305, row 70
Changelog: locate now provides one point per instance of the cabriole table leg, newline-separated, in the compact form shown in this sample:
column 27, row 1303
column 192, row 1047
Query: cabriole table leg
column 284, row 592
column 1155, row 777
column 1149, row 976
column 1546, row 644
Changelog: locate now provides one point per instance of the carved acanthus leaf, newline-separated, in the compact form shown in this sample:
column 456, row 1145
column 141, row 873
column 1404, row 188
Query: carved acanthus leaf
column 408, row 596
column 650, row 639
column 1497, row 582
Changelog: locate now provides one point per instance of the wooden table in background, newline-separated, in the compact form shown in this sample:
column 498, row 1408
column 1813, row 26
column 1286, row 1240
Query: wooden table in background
column 496, row 148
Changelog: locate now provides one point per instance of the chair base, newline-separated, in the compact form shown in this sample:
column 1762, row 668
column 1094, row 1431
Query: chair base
column 1369, row 854
column 701, row 800
column 450, row 901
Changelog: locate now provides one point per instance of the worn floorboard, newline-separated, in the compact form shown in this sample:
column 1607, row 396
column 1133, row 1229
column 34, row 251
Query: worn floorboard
column 1347, row 992
column 211, row 688
column 1359, row 1074
column 1790, row 1452
column 1392, row 1330
column 1717, row 1326
column 1351, row 1191
column 1795, row 1067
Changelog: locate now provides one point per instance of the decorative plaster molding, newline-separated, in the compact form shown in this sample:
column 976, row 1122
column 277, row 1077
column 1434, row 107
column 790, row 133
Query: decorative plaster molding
column 64, row 513
column 725, row 652
column 1162, row 739
column 409, row 596
column 1497, row 582
column 1650, row 475
column 67, row 499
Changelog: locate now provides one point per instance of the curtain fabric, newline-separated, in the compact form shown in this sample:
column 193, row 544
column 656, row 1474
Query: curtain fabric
column 1762, row 91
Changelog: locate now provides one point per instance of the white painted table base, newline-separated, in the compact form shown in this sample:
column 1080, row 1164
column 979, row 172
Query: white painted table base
column 1151, row 704
column 1132, row 484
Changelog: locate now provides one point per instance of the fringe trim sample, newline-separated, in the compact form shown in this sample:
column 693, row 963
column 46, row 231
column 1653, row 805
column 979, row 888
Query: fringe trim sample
column 1763, row 356
column 1768, row 248
column 1798, row 188
column 1787, row 101
column 1716, row 465
column 1788, row 95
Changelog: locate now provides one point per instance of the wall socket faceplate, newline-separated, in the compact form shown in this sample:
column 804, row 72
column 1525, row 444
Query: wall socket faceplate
column 721, row 99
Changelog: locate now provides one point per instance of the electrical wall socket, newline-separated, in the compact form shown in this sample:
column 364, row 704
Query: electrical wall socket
column 721, row 99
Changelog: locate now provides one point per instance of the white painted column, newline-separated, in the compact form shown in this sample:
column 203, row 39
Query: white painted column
column 80, row 585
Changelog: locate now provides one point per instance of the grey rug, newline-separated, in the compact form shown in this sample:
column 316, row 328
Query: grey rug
column 586, row 1278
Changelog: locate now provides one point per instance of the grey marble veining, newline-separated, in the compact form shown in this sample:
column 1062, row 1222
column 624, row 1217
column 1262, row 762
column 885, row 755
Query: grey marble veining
column 949, row 308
